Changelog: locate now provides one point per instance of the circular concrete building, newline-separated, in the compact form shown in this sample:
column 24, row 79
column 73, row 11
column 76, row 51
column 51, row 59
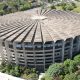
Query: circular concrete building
column 38, row 38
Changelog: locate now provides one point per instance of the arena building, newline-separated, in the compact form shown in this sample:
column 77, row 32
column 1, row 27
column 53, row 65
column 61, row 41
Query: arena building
column 37, row 38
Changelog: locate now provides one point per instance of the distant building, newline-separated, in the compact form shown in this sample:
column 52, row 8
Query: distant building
column 38, row 38
column 2, row 0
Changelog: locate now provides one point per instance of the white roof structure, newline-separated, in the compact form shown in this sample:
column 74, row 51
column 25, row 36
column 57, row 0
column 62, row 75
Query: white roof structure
column 38, row 25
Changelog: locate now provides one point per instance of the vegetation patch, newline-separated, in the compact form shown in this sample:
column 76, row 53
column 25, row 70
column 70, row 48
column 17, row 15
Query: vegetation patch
column 11, row 6
column 68, row 70
column 77, row 10
column 19, row 71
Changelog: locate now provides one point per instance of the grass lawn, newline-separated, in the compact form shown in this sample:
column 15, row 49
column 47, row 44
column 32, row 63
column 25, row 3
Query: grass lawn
column 1, row 6
column 59, row 7
column 77, row 9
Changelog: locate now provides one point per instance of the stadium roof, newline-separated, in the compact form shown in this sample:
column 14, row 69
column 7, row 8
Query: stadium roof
column 38, row 25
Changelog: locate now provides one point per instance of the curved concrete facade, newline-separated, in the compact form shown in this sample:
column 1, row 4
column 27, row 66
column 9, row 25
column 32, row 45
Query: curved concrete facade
column 53, row 36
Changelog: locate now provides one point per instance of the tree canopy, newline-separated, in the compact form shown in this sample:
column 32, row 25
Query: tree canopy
column 68, row 70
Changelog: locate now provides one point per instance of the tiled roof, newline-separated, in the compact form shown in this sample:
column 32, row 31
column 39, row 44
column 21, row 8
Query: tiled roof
column 38, row 25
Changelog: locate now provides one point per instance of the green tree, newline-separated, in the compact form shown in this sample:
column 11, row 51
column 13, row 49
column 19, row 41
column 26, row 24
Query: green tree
column 70, row 66
column 43, row 78
column 27, row 71
column 16, row 6
column 32, row 76
column 3, row 64
column 71, row 76
column 25, row 6
column 74, row 5
column 12, row 72
column 53, row 7
column 77, row 59
column 67, row 62
column 68, row 7
column 17, row 72
column 24, row 76
column 5, row 8
column 3, row 70
column 55, row 69
column 8, row 67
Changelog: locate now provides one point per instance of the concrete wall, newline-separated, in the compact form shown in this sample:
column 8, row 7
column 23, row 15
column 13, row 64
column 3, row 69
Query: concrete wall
column 40, row 54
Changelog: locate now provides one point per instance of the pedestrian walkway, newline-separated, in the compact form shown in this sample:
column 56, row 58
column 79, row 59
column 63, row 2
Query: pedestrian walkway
column 4, row 76
column 41, row 76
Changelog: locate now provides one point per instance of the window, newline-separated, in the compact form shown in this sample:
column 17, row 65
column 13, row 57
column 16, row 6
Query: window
column 58, row 45
column 75, row 40
column 22, row 62
column 19, row 46
column 29, row 52
column 38, row 46
column 56, row 54
column 39, row 59
column 10, row 45
column 39, row 53
column 19, row 52
column 30, row 63
column 30, row 56
column 49, row 59
column 21, row 56
column 12, row 50
column 48, row 52
column 48, row 46
column 48, row 55
column 3, row 44
column 28, row 46
column 39, row 62
column 38, row 56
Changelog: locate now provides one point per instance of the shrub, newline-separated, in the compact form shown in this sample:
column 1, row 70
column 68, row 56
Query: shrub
column 77, row 10
column 25, row 6
column 74, row 5
column 68, row 7
column 43, row 78
column 2, row 12
column 53, row 7
column 77, row 0
column 71, row 76
column 77, row 59
column 55, row 69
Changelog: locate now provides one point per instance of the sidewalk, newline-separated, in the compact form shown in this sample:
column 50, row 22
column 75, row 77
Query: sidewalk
column 4, row 76
column 41, row 76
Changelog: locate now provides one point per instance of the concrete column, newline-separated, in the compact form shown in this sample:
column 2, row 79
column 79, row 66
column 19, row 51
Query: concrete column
column 34, row 55
column 78, row 44
column 1, row 51
column 53, row 52
column 44, row 56
column 24, row 54
column 8, row 51
column 16, row 57
column 63, row 44
column 71, row 49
